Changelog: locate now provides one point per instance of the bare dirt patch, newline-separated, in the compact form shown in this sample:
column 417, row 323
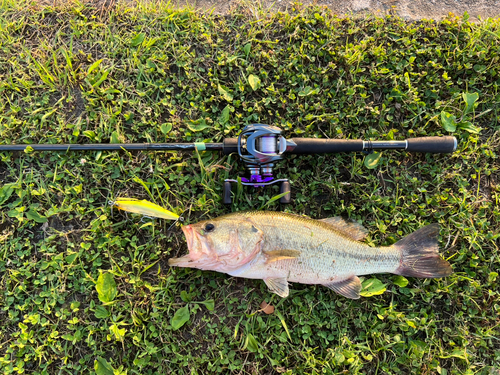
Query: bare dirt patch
column 406, row 9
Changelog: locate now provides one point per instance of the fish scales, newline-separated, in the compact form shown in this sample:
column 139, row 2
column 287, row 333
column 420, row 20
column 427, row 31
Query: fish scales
column 326, row 253
column 280, row 248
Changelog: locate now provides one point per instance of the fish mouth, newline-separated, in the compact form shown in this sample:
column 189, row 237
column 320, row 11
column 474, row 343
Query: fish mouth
column 198, row 250
column 189, row 234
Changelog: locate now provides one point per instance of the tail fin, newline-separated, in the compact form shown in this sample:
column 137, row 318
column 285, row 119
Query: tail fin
column 420, row 256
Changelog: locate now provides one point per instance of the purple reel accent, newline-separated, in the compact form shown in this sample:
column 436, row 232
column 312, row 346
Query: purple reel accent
column 258, row 179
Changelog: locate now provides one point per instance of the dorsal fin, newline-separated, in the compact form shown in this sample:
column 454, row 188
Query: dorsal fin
column 275, row 255
column 350, row 228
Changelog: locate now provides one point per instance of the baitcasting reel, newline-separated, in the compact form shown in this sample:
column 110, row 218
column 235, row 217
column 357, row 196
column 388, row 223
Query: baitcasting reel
column 260, row 146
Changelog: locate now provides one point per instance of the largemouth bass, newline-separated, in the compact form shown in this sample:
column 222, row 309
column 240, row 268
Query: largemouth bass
column 279, row 248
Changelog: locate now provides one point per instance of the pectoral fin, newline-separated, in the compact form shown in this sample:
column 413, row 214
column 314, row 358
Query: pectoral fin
column 275, row 255
column 278, row 286
column 349, row 288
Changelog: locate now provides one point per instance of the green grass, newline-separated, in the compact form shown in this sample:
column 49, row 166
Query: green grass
column 80, row 74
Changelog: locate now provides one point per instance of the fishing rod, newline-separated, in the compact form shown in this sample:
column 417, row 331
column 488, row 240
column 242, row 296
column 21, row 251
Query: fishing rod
column 260, row 147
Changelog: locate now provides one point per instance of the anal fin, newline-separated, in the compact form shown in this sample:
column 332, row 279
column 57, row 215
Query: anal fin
column 349, row 288
column 278, row 285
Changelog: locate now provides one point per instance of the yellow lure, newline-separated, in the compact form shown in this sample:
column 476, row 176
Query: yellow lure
column 144, row 207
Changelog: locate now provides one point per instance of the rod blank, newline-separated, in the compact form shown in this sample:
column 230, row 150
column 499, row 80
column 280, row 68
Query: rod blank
column 114, row 147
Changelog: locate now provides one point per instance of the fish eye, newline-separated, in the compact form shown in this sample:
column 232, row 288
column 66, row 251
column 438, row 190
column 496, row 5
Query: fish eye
column 209, row 227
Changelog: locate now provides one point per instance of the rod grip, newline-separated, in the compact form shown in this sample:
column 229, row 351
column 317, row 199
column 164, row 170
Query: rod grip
column 433, row 145
column 326, row 146
column 230, row 146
